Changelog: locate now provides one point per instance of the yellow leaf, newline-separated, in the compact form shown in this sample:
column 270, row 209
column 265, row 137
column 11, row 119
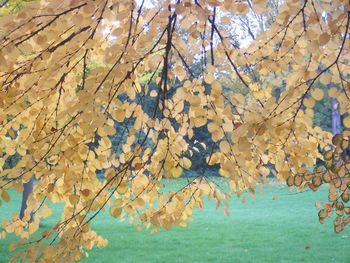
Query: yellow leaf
column 12, row 247
column 225, row 147
column 317, row 94
column 259, row 6
column 186, row 163
column 209, row 78
column 50, row 188
column 118, row 115
column 73, row 199
column 115, row 211
column 326, row 78
column 237, row 99
column 153, row 93
column 85, row 192
column 5, row 196
column 225, row 20
column 11, row 132
column 241, row 8
column 346, row 122
column 309, row 103
column 176, row 172
column 45, row 211
column 3, row 63
column 41, row 39
column 333, row 92
column 243, row 144
column 323, row 39
column 122, row 188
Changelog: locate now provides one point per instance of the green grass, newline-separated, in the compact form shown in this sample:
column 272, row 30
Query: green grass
column 261, row 230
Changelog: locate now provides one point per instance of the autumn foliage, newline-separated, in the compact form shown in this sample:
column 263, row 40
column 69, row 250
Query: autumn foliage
column 72, row 107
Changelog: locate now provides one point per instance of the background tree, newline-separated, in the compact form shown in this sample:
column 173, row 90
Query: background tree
column 69, row 121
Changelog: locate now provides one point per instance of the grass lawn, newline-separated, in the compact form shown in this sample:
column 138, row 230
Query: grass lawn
column 260, row 230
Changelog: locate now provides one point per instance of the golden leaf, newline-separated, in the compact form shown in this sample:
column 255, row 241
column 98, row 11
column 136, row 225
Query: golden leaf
column 5, row 196
column 115, row 211
column 176, row 172
column 323, row 39
column 317, row 94
column 346, row 122
column 74, row 199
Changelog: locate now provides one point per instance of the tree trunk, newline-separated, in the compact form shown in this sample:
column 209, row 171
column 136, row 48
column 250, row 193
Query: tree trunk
column 336, row 118
column 27, row 190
